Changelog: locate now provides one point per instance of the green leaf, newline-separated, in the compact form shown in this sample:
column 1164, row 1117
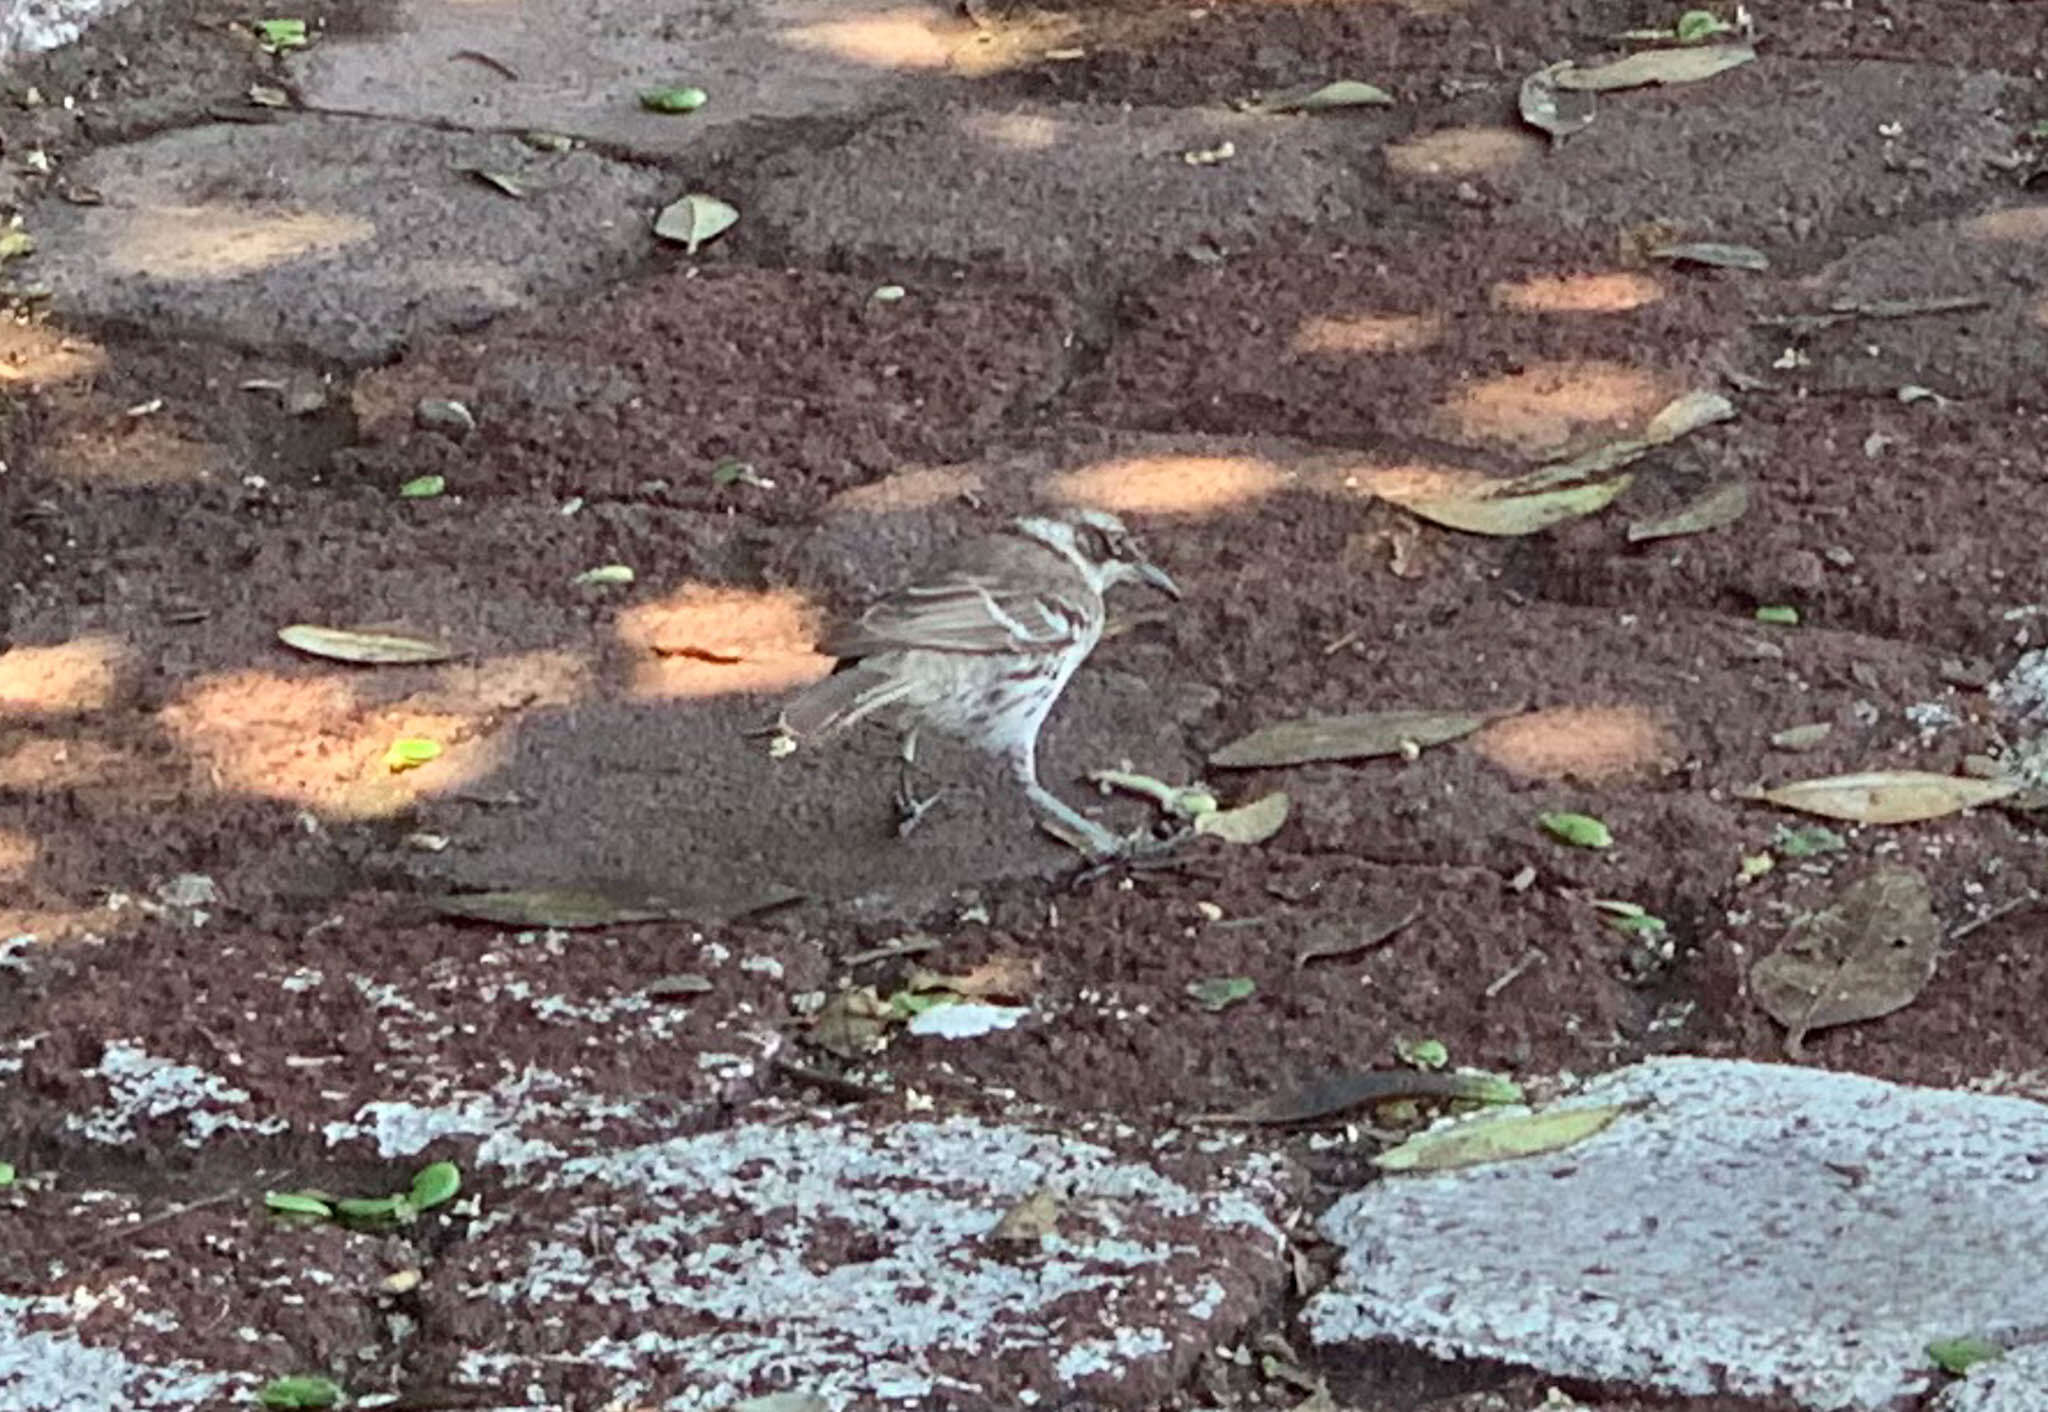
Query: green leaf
column 298, row 1203
column 1810, row 841
column 16, row 242
column 1959, row 1355
column 1695, row 25
column 605, row 574
column 301, row 1390
column 1778, row 615
column 435, row 1183
column 1579, row 830
column 280, row 35
column 376, row 1210
column 1221, row 992
column 6, row 1174
column 410, row 753
column 423, row 487
column 673, row 100
column 1422, row 1053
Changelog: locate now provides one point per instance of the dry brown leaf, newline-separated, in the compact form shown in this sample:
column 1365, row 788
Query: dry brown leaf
column 1009, row 976
column 1548, row 110
column 1348, row 936
column 1886, row 796
column 1713, row 508
column 853, row 1024
column 1340, row 1093
column 1685, row 415
column 1248, row 823
column 347, row 645
column 1506, row 516
column 1031, row 1220
column 1355, row 737
column 1869, row 952
column 1688, row 65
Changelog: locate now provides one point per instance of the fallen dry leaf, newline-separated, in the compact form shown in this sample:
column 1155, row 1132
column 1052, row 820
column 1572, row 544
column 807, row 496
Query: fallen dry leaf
column 1339, row 1093
column 1248, row 823
column 1869, row 952
column 1687, row 65
column 1713, row 508
column 1497, row 1139
column 1508, row 516
column 346, row 645
column 1886, row 796
column 1548, row 109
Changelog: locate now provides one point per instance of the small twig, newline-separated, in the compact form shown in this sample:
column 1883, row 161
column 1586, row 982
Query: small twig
column 848, row 1090
column 496, row 66
column 2003, row 909
column 160, row 1218
column 902, row 946
column 1513, row 973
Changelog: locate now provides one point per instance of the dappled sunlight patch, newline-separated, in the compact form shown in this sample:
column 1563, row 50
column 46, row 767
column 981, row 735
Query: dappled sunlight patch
column 2015, row 223
column 513, row 682
column 1539, row 409
column 217, row 242
column 1462, row 151
column 1404, row 482
column 1613, row 293
column 1020, row 132
column 1367, row 333
column 918, row 489
column 310, row 741
column 915, row 39
column 18, row 855
column 36, row 356
column 1577, row 742
column 62, row 679
column 132, row 451
column 1169, row 485
column 708, row 640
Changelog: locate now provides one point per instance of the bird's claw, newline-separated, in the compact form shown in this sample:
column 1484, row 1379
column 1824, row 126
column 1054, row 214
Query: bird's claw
column 911, row 807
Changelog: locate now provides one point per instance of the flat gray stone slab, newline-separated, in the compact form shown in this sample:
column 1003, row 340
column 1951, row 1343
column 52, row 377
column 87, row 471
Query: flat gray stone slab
column 1069, row 188
column 580, row 68
column 1752, row 1229
column 339, row 237
column 861, row 1263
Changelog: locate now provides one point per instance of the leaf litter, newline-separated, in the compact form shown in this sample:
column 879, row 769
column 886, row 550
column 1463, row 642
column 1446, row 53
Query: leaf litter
column 367, row 648
column 694, row 220
column 1655, row 66
column 1321, row 97
column 1870, row 952
column 1886, row 796
column 1714, row 508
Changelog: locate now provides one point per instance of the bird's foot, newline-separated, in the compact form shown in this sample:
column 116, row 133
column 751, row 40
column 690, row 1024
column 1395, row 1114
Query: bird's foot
column 911, row 807
column 1102, row 848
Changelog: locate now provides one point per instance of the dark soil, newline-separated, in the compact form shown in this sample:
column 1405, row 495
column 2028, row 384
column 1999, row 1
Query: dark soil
column 151, row 726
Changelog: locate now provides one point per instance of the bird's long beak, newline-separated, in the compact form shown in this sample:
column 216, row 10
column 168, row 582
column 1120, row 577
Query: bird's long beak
column 1151, row 573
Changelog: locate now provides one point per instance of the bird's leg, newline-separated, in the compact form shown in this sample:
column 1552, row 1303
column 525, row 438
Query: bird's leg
column 1059, row 818
column 910, row 806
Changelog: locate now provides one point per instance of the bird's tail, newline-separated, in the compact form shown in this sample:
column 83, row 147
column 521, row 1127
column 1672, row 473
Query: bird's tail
column 848, row 696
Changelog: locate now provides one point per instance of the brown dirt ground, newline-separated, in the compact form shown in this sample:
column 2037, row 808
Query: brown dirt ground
column 150, row 727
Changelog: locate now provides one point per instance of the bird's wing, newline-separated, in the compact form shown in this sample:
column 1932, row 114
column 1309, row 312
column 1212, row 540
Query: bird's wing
column 980, row 609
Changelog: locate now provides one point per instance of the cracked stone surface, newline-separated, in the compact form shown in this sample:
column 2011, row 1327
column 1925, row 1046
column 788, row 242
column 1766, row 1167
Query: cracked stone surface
column 1805, row 1235
column 340, row 238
